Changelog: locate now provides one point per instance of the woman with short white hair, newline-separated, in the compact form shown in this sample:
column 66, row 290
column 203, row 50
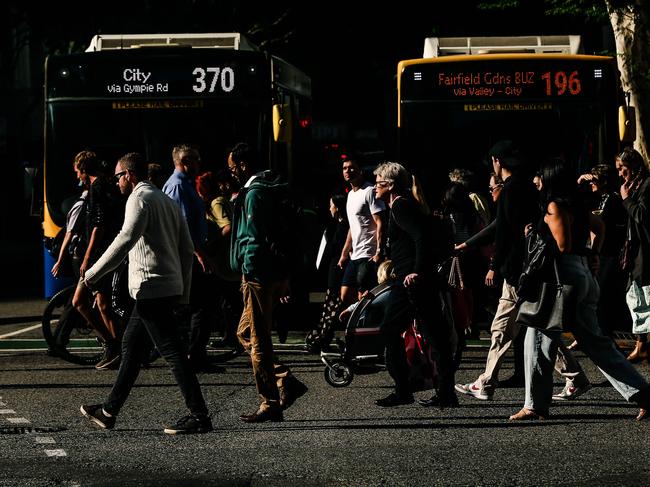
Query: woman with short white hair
column 414, row 254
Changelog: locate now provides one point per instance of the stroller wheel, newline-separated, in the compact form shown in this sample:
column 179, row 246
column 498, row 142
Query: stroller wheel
column 338, row 374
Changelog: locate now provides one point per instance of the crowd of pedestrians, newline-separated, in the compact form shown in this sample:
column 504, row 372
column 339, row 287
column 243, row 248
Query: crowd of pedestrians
column 203, row 248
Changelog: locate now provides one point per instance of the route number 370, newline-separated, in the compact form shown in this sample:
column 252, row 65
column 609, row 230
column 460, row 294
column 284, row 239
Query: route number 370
column 224, row 77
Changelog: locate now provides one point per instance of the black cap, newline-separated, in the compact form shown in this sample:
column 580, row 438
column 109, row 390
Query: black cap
column 508, row 154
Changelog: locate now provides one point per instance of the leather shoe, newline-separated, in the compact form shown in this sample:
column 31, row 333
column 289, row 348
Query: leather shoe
column 437, row 401
column 641, row 352
column 292, row 390
column 643, row 414
column 260, row 416
column 395, row 400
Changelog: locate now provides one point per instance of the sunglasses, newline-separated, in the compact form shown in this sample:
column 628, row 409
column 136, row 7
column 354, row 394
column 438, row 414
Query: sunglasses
column 382, row 184
column 118, row 175
column 492, row 189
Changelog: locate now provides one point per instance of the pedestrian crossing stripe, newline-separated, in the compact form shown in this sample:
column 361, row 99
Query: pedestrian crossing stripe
column 56, row 453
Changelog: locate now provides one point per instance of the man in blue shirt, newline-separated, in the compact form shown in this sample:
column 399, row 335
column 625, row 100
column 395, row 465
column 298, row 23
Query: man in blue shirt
column 180, row 188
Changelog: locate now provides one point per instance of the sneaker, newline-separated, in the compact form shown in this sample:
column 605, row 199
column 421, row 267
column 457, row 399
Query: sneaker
column 193, row 423
column 97, row 415
column 110, row 360
column 571, row 392
column 472, row 389
column 395, row 400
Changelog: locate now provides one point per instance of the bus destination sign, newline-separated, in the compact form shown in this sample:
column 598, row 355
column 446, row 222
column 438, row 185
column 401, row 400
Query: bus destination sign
column 503, row 80
column 497, row 84
column 192, row 75
column 203, row 79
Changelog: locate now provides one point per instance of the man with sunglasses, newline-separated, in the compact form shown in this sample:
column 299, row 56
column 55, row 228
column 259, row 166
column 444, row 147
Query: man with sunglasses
column 156, row 239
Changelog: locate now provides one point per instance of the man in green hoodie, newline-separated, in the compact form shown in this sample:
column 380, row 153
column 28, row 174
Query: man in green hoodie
column 265, row 280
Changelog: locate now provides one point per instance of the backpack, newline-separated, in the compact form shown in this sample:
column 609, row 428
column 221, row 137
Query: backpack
column 287, row 240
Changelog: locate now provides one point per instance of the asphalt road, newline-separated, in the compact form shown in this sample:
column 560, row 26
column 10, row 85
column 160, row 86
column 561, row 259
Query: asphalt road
column 329, row 436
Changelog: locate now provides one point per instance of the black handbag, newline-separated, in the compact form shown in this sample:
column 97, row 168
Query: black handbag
column 551, row 309
column 628, row 252
column 538, row 253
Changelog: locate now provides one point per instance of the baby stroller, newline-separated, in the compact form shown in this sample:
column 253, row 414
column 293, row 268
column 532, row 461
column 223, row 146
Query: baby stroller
column 362, row 346
column 362, row 350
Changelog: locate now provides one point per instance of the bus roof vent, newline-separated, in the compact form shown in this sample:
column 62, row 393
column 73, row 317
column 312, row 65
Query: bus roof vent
column 233, row 40
column 448, row 46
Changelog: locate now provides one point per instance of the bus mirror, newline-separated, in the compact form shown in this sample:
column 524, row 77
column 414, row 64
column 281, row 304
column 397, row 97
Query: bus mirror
column 282, row 123
column 31, row 189
column 626, row 123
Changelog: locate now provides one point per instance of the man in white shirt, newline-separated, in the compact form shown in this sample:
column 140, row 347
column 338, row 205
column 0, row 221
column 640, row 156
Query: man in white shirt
column 157, row 240
column 364, row 245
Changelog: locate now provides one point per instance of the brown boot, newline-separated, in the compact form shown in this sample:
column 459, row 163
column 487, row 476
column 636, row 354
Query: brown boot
column 639, row 353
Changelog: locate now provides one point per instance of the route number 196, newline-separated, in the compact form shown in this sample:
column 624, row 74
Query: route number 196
column 559, row 83
column 223, row 77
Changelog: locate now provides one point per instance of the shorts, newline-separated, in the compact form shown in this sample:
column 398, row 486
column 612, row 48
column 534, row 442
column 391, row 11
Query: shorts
column 360, row 274
column 104, row 285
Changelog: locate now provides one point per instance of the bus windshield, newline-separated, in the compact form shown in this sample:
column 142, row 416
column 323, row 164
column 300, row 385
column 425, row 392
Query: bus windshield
column 113, row 129
column 452, row 110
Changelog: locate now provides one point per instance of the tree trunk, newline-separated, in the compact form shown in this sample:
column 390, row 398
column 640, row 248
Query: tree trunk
column 631, row 23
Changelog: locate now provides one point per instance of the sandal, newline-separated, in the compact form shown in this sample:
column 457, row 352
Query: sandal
column 526, row 415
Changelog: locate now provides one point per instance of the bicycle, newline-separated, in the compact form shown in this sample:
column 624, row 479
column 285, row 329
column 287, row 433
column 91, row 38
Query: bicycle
column 68, row 334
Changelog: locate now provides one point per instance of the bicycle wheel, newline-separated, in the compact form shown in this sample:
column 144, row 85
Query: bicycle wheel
column 68, row 334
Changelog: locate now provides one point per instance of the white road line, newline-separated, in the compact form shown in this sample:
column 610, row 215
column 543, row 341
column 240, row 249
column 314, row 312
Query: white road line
column 56, row 453
column 19, row 420
column 14, row 350
column 20, row 332
column 7, row 411
column 44, row 440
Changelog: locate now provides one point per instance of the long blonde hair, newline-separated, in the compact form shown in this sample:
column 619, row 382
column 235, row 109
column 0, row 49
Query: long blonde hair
column 418, row 195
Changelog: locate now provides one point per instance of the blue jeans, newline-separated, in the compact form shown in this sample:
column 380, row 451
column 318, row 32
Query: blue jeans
column 155, row 318
column 541, row 346
column 638, row 300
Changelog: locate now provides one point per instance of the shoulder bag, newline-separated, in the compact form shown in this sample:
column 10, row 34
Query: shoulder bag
column 550, row 308
column 539, row 253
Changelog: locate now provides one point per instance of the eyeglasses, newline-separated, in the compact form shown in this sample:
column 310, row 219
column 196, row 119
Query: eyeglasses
column 492, row 189
column 382, row 184
column 118, row 175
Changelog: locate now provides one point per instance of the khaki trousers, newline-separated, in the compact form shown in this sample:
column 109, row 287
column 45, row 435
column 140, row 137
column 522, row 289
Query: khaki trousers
column 504, row 330
column 254, row 333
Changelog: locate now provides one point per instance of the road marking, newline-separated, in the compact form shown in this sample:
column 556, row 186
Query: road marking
column 56, row 453
column 19, row 420
column 20, row 332
column 44, row 439
column 39, row 439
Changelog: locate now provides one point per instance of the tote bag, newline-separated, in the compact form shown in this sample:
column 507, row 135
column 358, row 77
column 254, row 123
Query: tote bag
column 551, row 309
